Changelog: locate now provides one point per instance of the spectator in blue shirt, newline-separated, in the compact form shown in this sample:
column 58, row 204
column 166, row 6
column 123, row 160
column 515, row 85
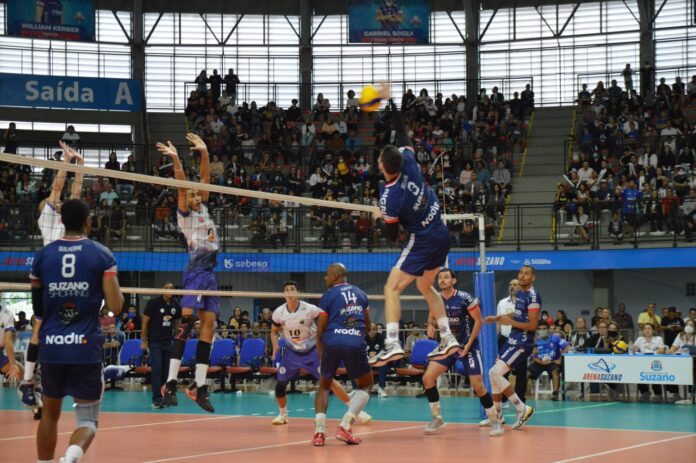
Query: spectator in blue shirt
column 546, row 356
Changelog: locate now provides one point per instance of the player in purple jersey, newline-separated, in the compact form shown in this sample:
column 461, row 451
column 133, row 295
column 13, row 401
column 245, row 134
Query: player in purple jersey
column 389, row 15
column 51, row 229
column 408, row 201
column 465, row 319
column 69, row 279
column 203, row 245
column 516, row 349
column 340, row 338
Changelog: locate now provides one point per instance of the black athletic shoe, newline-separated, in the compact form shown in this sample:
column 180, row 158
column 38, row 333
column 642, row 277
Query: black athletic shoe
column 169, row 394
column 200, row 396
column 37, row 413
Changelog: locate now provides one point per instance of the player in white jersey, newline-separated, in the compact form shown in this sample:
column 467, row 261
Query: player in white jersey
column 203, row 245
column 8, row 365
column 52, row 229
column 297, row 319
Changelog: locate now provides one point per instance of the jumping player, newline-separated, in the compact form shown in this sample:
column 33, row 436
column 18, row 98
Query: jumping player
column 298, row 321
column 341, row 338
column 69, row 279
column 516, row 349
column 407, row 200
column 51, row 229
column 203, row 244
column 465, row 319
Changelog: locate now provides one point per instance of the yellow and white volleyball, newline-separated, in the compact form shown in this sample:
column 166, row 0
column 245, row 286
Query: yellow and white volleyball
column 370, row 99
column 509, row 310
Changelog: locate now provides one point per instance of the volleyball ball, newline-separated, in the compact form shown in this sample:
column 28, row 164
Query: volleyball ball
column 370, row 99
column 619, row 347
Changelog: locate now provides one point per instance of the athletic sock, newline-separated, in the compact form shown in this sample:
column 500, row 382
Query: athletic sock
column 201, row 373
column 443, row 324
column 498, row 410
column 435, row 410
column 174, row 365
column 44, row 461
column 202, row 359
column 29, row 368
column 74, row 454
column 433, row 396
column 31, row 357
column 347, row 420
column 283, row 411
column 358, row 402
column 519, row 405
column 392, row 332
column 320, row 420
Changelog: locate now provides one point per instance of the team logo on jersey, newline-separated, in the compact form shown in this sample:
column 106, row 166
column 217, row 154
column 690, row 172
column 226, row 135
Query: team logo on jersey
column 281, row 370
column 162, row 310
column 173, row 311
column 67, row 312
column 351, row 322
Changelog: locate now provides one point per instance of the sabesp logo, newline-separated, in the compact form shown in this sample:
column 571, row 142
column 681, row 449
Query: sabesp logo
column 65, row 339
column 351, row 331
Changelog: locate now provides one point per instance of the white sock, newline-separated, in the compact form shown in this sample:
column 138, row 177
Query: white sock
column 393, row 332
column 320, row 420
column 29, row 368
column 498, row 410
column 443, row 324
column 435, row 410
column 491, row 413
column 284, row 411
column 44, row 461
column 201, row 373
column 174, row 365
column 519, row 405
column 73, row 454
column 347, row 420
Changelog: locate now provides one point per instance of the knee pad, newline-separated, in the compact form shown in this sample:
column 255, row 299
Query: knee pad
column 87, row 415
column 185, row 327
column 280, row 389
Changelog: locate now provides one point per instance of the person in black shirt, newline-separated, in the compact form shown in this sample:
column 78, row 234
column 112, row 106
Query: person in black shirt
column 672, row 325
column 375, row 343
column 159, row 317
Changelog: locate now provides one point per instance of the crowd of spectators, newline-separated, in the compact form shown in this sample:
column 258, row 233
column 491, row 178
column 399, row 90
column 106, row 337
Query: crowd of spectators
column 634, row 156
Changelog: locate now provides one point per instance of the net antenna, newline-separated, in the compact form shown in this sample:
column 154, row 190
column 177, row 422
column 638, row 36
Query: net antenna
column 477, row 218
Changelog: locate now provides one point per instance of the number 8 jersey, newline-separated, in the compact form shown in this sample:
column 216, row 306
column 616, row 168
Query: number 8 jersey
column 299, row 327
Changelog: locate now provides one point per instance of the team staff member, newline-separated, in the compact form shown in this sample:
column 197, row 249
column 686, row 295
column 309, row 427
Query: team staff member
column 69, row 279
column 159, row 317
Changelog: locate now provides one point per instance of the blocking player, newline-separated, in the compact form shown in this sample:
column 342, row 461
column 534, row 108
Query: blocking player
column 69, row 279
column 203, row 244
column 297, row 319
column 341, row 331
column 465, row 319
column 516, row 349
column 407, row 200
column 51, row 229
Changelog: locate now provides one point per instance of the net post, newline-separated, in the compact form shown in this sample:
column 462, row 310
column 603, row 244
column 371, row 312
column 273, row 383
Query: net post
column 482, row 241
column 484, row 289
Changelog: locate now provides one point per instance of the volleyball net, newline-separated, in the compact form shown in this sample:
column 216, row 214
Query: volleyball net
column 265, row 238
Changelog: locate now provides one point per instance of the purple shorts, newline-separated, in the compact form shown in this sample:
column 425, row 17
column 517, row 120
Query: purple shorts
column 292, row 362
column 204, row 280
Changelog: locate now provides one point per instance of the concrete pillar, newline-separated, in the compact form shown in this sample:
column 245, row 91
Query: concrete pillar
column 646, row 11
column 472, row 11
column 306, row 55
column 138, row 65
column 603, row 289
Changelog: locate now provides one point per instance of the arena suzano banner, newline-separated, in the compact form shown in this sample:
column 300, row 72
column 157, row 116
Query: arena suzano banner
column 389, row 21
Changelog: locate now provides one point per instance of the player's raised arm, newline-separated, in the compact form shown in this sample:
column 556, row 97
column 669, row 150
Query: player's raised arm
column 59, row 181
column 199, row 145
column 402, row 138
column 170, row 150
column 112, row 291
column 76, row 189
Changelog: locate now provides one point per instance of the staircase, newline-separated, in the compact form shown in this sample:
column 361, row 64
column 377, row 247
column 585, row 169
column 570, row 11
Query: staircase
column 541, row 172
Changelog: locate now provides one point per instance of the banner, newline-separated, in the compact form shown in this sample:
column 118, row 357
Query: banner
column 69, row 92
column 383, row 261
column 389, row 21
column 51, row 19
column 628, row 369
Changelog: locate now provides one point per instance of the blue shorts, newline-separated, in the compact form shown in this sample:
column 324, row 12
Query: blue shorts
column 292, row 362
column 78, row 380
column 471, row 363
column 424, row 252
column 3, row 361
column 354, row 358
column 204, row 280
column 513, row 355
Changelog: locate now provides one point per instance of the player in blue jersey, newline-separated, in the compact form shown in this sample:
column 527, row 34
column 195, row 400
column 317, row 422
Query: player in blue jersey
column 389, row 15
column 340, row 338
column 546, row 356
column 517, row 348
column 203, row 245
column 49, row 11
column 51, row 229
column 69, row 279
column 465, row 320
column 409, row 202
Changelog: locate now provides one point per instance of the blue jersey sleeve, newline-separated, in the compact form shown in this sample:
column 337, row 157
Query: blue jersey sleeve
column 36, row 264
column 560, row 342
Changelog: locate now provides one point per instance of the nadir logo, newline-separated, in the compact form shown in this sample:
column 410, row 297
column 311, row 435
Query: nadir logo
column 602, row 371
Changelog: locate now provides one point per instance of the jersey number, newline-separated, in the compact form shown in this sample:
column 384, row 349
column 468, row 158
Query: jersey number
column 68, row 268
column 294, row 333
column 349, row 297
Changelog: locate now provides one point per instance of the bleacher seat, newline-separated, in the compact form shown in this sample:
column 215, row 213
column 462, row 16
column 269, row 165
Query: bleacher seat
column 131, row 355
column 222, row 355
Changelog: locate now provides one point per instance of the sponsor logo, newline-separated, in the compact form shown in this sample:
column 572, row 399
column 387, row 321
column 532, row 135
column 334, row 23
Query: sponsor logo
column 537, row 262
column 68, row 289
column 605, row 371
column 656, row 365
column 65, row 339
column 348, row 331
column 258, row 265
column 17, row 261
column 434, row 209
column 601, row 365
column 281, row 370
column 471, row 261
column 352, row 310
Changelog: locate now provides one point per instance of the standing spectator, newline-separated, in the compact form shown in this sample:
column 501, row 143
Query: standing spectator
column 71, row 137
column 375, row 343
column 649, row 344
column 649, row 317
column 160, row 316
column 112, row 163
column 623, row 318
column 202, row 83
column 231, row 81
column 215, row 84
column 628, row 77
column 527, row 101
column 672, row 325
column 11, row 139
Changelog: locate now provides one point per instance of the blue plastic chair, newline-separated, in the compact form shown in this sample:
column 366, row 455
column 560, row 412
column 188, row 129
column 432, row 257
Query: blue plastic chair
column 419, row 358
column 223, row 355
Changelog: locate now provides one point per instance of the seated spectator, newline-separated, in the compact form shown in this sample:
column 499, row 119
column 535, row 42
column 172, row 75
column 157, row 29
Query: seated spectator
column 166, row 229
column 22, row 323
column 501, row 177
column 579, row 337
column 131, row 323
column 599, row 342
column 414, row 335
column 115, row 222
column 649, row 344
column 582, row 229
column 623, row 318
column 236, row 319
column 113, row 340
column 649, row 317
column 546, row 357
column 685, row 342
column 672, row 325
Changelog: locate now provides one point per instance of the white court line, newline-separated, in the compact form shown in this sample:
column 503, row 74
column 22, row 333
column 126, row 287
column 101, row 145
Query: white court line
column 623, row 449
column 264, row 447
column 559, row 410
column 131, row 426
